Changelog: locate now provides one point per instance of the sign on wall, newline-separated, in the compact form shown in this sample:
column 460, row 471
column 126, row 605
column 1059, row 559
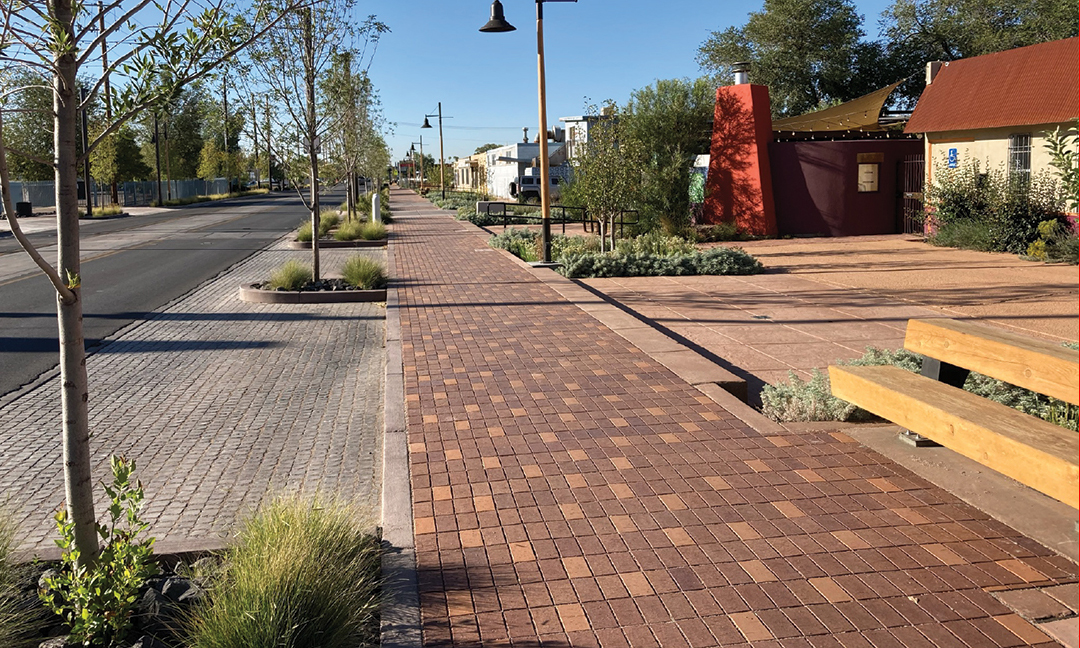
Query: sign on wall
column 953, row 159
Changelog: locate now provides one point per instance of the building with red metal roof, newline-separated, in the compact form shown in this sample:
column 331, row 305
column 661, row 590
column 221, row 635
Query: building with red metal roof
column 996, row 110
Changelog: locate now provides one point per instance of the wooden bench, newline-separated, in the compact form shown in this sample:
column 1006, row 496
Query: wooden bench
column 1034, row 452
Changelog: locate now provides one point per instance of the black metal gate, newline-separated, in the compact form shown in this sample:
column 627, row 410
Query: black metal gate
column 911, row 174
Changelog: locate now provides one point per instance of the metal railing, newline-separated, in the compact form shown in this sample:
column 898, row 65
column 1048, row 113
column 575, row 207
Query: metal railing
column 561, row 215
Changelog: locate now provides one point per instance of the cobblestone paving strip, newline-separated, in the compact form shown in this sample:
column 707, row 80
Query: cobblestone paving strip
column 221, row 403
column 570, row 491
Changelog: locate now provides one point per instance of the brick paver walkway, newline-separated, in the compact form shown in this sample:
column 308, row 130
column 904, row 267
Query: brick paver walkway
column 221, row 402
column 570, row 491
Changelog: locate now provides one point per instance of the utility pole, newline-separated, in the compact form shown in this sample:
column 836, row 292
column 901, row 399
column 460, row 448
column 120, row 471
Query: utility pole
column 269, row 157
column 114, row 193
column 168, row 161
column 86, row 163
column 157, row 158
column 225, row 128
column 255, row 137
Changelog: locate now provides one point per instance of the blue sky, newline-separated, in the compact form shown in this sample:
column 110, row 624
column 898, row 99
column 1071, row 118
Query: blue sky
column 600, row 49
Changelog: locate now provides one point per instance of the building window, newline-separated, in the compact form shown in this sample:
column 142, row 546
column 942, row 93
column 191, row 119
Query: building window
column 1020, row 156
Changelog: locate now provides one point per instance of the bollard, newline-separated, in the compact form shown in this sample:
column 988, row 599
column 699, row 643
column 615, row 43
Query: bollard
column 376, row 214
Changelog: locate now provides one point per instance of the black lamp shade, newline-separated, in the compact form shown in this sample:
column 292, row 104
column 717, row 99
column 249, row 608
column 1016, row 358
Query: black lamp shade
column 498, row 21
column 426, row 123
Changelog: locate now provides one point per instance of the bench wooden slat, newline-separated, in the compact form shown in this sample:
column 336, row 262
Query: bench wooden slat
column 1044, row 367
column 1032, row 451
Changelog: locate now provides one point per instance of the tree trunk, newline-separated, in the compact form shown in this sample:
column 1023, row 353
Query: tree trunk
column 74, row 390
column 309, row 87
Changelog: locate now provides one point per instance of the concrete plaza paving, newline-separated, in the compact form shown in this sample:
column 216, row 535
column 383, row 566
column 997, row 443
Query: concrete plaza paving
column 569, row 490
column 824, row 300
column 221, row 402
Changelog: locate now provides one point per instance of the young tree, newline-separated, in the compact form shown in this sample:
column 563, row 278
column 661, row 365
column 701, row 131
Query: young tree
column 669, row 125
column 61, row 39
column 607, row 174
column 350, row 99
column 298, row 51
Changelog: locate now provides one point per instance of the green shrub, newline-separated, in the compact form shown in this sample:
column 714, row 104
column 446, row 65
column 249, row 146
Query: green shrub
column 520, row 242
column 291, row 275
column 96, row 601
column 716, row 233
column 301, row 574
column 1010, row 207
column 964, row 234
column 655, row 242
column 328, row 220
column 799, row 400
column 348, row 231
column 372, row 231
column 1056, row 243
column 717, row 261
column 567, row 246
column 18, row 621
column 303, row 233
column 364, row 273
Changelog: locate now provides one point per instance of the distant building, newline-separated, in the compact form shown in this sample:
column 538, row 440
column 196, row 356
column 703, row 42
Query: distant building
column 507, row 164
column 470, row 173
column 997, row 109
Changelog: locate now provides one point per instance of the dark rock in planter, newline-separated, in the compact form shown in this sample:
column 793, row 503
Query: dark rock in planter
column 326, row 291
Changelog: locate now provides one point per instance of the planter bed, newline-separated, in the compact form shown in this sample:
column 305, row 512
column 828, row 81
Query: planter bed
column 331, row 243
column 254, row 293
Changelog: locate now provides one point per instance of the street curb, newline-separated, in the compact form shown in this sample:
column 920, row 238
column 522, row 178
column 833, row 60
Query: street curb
column 400, row 607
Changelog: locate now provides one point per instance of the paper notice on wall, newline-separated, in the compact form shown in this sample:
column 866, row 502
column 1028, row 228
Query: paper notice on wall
column 868, row 178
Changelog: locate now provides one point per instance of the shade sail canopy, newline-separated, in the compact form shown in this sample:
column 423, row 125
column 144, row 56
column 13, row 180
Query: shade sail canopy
column 860, row 114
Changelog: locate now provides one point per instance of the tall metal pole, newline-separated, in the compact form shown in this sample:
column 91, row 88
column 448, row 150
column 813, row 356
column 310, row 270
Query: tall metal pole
column 225, row 128
column 442, row 162
column 545, row 178
column 86, row 162
column 421, row 163
column 114, row 192
column 157, row 159
column 255, row 146
column 269, row 158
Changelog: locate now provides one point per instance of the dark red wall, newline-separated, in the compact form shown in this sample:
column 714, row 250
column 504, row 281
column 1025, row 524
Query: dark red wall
column 815, row 187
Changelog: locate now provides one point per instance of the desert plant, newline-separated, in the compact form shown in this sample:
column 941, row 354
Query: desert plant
column 717, row 261
column 328, row 220
column 655, row 242
column 714, row 233
column 364, row 273
column 1063, row 158
column 372, row 231
column 303, row 233
column 17, row 620
column 96, row 597
column 964, row 234
column 348, row 231
column 800, row 400
column 1056, row 243
column 519, row 242
column 302, row 573
column 1008, row 207
column 291, row 275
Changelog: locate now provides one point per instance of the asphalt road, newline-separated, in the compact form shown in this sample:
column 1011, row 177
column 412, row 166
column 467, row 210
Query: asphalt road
column 125, row 285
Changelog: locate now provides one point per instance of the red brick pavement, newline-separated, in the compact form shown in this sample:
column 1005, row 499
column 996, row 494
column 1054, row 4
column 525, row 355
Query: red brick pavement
column 570, row 491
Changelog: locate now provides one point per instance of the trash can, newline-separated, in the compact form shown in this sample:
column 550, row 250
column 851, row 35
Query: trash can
column 24, row 210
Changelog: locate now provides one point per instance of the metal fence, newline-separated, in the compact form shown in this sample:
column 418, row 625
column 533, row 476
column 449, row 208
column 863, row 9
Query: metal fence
column 561, row 215
column 130, row 194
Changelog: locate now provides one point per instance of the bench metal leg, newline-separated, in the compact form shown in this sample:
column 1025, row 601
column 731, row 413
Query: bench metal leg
column 949, row 374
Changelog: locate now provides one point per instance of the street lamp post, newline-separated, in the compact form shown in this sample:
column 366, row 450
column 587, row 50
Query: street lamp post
column 442, row 162
column 498, row 24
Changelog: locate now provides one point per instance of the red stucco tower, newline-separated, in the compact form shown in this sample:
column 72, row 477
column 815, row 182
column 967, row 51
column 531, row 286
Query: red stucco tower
column 739, row 187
